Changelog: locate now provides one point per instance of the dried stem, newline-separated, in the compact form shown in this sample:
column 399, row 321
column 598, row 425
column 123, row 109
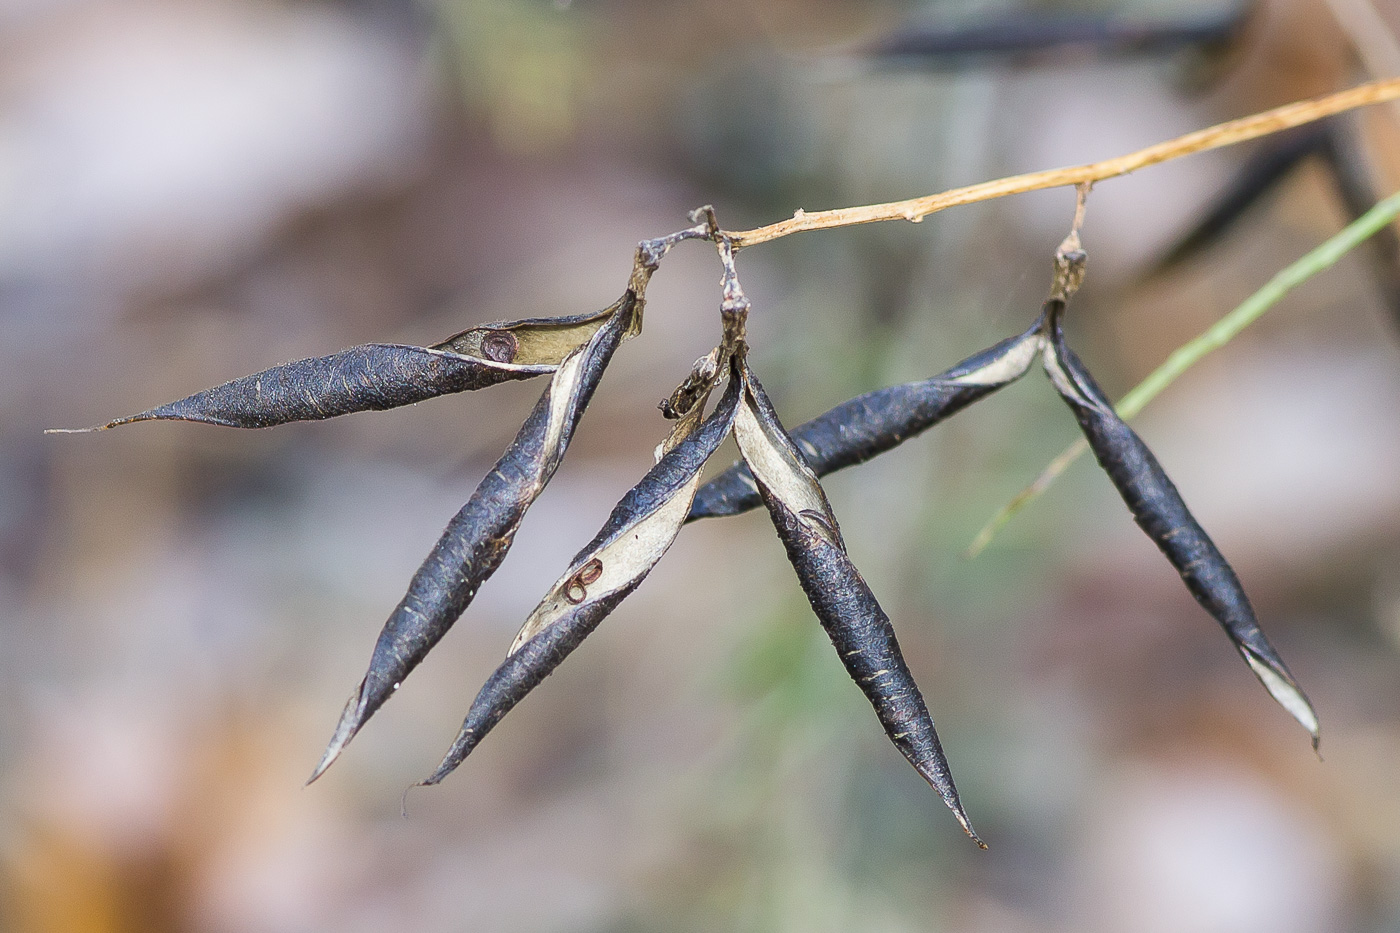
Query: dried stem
column 1215, row 137
column 1069, row 256
column 734, row 304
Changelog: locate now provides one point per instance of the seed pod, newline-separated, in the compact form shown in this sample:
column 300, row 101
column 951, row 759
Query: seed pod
column 868, row 425
column 1158, row 509
column 859, row 629
column 639, row 531
column 478, row 537
column 377, row 376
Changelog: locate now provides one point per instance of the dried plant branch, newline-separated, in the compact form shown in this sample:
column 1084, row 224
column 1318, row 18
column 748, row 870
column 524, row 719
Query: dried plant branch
column 1216, row 137
column 780, row 470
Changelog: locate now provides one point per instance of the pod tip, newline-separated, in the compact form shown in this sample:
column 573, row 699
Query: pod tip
column 1289, row 695
column 96, row 427
column 966, row 825
column 351, row 718
column 107, row 426
column 462, row 746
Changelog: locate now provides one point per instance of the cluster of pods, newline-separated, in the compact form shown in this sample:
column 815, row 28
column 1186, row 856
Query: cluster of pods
column 779, row 469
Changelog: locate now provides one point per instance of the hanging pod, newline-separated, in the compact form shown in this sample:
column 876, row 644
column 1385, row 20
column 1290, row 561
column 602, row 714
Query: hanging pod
column 859, row 629
column 868, row 425
column 1158, row 509
column 478, row 537
column 378, row 376
column 639, row 531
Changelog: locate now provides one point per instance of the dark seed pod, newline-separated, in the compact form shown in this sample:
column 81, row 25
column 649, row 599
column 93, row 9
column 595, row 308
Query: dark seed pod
column 868, row 425
column 478, row 537
column 1158, row 509
column 639, row 531
column 377, row 376
column 859, row 629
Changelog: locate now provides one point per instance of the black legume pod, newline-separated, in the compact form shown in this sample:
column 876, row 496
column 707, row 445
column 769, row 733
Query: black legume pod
column 639, row 531
column 378, row 376
column 1158, row 509
column 478, row 537
column 868, row 425
column 859, row 629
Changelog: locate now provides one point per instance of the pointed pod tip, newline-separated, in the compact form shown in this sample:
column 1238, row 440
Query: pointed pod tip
column 449, row 764
column 351, row 719
column 331, row 754
column 462, row 746
column 944, row 785
column 96, row 427
column 1289, row 695
column 961, row 815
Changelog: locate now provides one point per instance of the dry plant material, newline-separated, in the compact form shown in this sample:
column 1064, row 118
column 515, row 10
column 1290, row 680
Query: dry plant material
column 636, row 535
column 478, row 537
column 778, row 469
column 1159, row 510
column 870, row 424
column 1229, row 133
column 378, row 376
column 859, row 629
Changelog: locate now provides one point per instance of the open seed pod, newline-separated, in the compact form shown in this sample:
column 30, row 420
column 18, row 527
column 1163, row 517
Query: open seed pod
column 377, row 376
column 859, row 629
column 870, row 424
column 639, row 531
column 1159, row 510
column 478, row 537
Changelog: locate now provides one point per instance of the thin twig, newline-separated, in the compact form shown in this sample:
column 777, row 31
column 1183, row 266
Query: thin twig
column 1215, row 137
column 1069, row 257
column 1189, row 354
column 734, row 304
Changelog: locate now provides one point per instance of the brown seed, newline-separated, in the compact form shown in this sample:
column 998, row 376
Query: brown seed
column 577, row 589
column 499, row 346
column 591, row 572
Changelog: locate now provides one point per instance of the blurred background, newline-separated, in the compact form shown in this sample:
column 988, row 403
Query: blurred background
column 193, row 190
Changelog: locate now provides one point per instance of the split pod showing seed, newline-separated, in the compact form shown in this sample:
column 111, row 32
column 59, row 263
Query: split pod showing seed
column 868, row 425
column 1158, row 509
column 478, row 537
column 859, row 629
column 378, row 376
column 639, row 531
